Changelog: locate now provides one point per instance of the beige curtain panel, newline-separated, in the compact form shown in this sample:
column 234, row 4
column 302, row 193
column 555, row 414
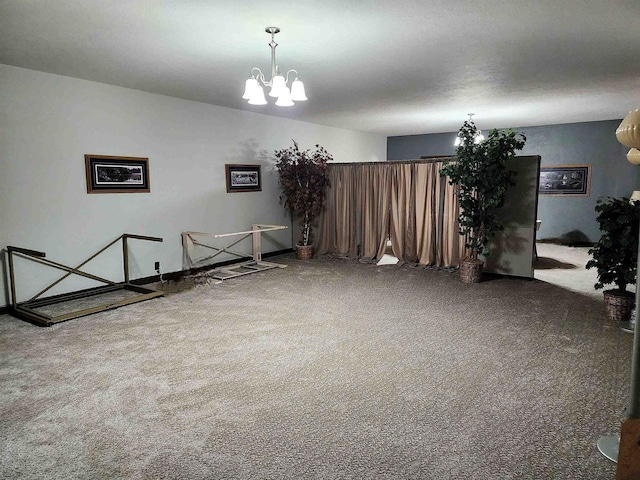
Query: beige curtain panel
column 407, row 202
column 355, row 220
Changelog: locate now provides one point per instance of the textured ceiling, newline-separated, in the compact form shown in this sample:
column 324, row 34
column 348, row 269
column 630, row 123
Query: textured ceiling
column 393, row 68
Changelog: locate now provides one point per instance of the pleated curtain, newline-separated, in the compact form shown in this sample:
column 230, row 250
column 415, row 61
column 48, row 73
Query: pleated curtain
column 355, row 220
column 407, row 202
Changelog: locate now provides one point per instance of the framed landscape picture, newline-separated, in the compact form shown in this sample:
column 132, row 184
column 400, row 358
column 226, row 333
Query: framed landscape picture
column 108, row 174
column 565, row 180
column 243, row 178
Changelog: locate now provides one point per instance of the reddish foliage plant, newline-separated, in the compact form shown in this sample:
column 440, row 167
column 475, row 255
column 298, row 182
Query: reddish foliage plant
column 304, row 179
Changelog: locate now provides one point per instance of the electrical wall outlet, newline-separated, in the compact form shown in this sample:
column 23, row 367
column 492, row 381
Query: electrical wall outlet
column 157, row 267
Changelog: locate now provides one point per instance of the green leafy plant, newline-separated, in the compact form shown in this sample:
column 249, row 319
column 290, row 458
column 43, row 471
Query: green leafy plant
column 304, row 178
column 479, row 170
column 615, row 255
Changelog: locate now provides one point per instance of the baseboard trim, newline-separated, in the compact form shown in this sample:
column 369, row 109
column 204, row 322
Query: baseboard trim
column 179, row 274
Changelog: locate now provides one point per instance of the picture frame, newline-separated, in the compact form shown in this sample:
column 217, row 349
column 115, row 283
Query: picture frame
column 109, row 174
column 243, row 178
column 565, row 180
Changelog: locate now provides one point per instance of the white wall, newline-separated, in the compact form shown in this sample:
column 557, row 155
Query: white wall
column 49, row 122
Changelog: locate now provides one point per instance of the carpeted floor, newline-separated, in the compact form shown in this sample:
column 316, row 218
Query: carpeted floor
column 328, row 369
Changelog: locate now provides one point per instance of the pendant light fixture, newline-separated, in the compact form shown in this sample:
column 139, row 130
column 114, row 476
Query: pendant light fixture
column 623, row 448
column 254, row 91
column 477, row 138
column 628, row 134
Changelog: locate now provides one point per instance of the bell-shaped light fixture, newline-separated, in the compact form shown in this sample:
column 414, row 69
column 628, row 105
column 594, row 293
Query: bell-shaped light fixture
column 284, row 100
column 477, row 138
column 249, row 86
column 257, row 96
column 297, row 91
column 278, row 83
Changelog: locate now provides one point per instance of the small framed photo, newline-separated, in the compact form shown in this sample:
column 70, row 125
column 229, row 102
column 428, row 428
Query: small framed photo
column 566, row 180
column 243, row 178
column 108, row 174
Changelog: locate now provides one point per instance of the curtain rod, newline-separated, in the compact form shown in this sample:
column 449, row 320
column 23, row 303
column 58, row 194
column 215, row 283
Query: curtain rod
column 433, row 159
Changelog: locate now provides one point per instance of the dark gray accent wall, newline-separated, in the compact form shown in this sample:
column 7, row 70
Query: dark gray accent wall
column 569, row 218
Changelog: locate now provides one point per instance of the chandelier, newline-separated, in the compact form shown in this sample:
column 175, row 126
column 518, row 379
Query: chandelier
column 254, row 91
column 477, row 138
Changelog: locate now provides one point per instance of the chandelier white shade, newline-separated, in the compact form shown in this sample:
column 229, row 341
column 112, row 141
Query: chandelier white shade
column 279, row 89
column 478, row 137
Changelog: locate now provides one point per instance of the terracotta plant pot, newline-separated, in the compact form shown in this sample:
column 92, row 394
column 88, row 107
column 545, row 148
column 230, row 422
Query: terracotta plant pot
column 304, row 252
column 471, row 270
column 618, row 304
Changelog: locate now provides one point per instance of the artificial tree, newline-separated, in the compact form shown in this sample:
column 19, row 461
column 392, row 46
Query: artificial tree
column 479, row 170
column 615, row 255
column 304, row 178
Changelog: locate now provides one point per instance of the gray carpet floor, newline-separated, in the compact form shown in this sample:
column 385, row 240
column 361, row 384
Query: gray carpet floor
column 328, row 369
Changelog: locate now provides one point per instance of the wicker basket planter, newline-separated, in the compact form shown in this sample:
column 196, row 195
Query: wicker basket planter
column 471, row 270
column 304, row 252
column 618, row 304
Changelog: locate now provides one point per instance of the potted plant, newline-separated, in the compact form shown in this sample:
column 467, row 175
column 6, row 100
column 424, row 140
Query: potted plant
column 304, row 178
column 479, row 170
column 615, row 255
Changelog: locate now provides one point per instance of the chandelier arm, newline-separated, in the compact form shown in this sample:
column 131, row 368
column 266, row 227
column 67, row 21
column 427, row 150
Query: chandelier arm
column 292, row 70
column 264, row 81
column 260, row 76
